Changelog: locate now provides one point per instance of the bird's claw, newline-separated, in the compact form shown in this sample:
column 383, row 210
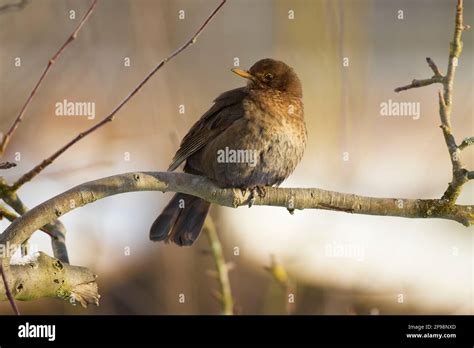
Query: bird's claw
column 262, row 191
column 255, row 191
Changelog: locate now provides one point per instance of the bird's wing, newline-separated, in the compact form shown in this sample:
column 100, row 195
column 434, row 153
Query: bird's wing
column 226, row 110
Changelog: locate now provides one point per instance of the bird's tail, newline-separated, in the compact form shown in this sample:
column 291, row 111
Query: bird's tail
column 181, row 221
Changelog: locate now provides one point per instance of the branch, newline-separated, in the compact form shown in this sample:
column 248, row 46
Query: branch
column 17, row 6
column 7, row 294
column 55, row 229
column 40, row 167
column 44, row 276
column 466, row 142
column 19, row 118
column 420, row 83
column 225, row 295
column 436, row 78
column 460, row 175
column 7, row 214
column 7, row 165
column 279, row 274
column 291, row 198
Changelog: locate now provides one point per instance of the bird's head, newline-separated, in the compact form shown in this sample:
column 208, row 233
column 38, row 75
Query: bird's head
column 272, row 74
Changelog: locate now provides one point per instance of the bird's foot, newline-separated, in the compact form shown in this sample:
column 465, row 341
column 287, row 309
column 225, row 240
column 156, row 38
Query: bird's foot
column 259, row 191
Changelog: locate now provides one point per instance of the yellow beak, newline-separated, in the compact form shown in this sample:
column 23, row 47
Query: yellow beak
column 243, row 73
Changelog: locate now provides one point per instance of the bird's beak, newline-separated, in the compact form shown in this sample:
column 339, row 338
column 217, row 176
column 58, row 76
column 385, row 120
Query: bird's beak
column 243, row 73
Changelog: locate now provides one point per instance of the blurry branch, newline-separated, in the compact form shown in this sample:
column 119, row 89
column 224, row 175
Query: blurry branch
column 7, row 165
column 7, row 214
column 460, row 175
column 6, row 293
column 19, row 118
column 225, row 295
column 14, row 6
column 277, row 271
column 280, row 276
column 466, row 142
column 44, row 276
column 222, row 268
column 40, row 167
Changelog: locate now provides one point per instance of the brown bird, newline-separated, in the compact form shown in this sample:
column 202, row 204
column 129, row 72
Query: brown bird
column 251, row 137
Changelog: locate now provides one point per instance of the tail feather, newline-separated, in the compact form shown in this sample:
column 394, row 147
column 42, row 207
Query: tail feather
column 181, row 221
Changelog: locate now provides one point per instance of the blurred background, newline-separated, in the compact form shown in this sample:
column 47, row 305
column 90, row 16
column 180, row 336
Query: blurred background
column 338, row 263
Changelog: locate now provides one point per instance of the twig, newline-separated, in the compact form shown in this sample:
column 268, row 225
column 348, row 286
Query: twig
column 19, row 118
column 14, row 6
column 7, row 290
column 225, row 296
column 466, row 142
column 36, row 170
column 7, row 214
column 7, row 165
column 420, row 83
column 436, row 78
column 434, row 67
column 460, row 175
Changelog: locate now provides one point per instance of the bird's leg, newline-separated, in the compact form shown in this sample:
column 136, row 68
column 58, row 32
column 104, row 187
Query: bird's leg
column 262, row 191
column 259, row 191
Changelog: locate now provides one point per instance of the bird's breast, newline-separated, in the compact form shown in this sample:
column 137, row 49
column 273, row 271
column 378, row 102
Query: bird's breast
column 261, row 148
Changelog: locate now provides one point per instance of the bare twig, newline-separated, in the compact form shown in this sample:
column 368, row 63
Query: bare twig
column 7, row 165
column 434, row 67
column 420, row 83
column 225, row 295
column 466, row 142
column 36, row 170
column 436, row 78
column 7, row 214
column 14, row 6
column 7, row 290
column 460, row 175
column 19, row 118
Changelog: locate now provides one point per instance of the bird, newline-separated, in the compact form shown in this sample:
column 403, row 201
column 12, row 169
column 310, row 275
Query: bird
column 252, row 136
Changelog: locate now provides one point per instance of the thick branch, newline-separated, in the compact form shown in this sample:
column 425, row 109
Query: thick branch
column 310, row 198
column 44, row 276
column 19, row 118
column 55, row 229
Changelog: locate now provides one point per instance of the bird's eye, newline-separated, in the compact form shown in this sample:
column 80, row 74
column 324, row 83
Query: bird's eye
column 268, row 77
